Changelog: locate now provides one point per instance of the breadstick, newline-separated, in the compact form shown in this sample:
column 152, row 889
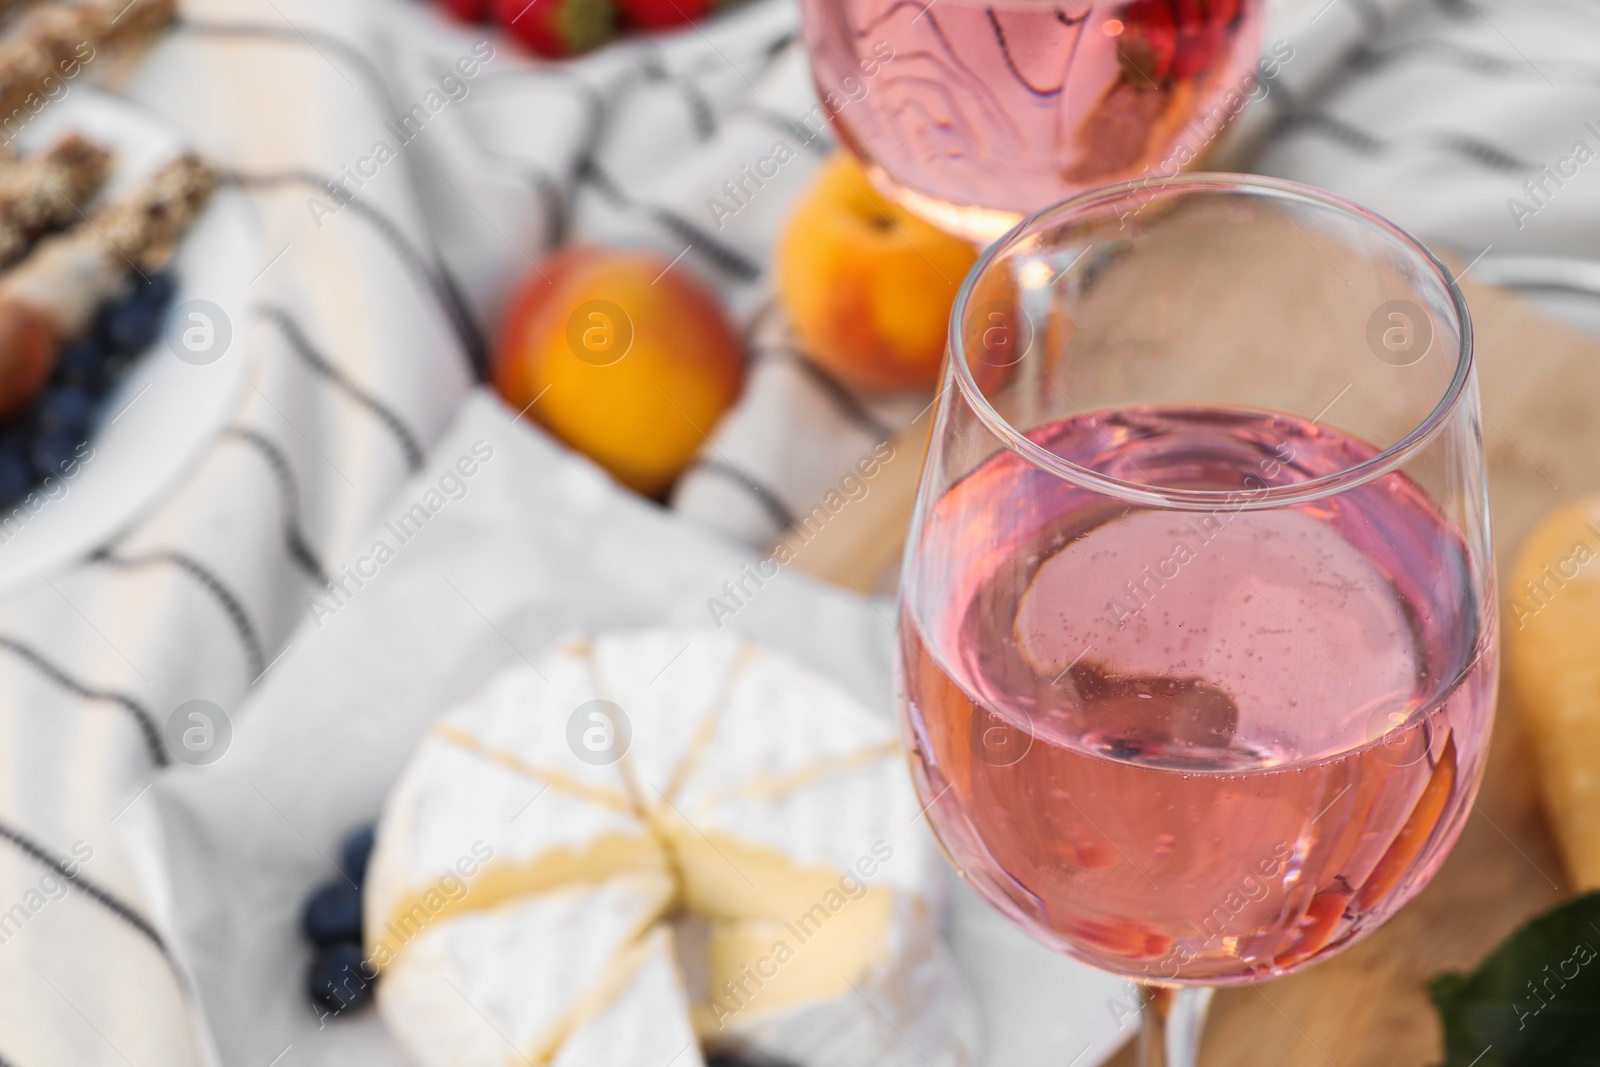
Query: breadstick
column 48, row 190
column 8, row 8
column 49, row 45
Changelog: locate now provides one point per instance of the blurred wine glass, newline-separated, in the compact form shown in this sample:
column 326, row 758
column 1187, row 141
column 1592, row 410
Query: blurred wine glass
column 973, row 113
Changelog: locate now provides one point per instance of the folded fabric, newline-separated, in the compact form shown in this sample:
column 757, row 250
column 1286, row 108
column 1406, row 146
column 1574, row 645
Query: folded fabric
column 1473, row 123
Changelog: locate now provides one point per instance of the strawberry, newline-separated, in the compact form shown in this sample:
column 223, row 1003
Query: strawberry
column 467, row 10
column 556, row 28
column 1205, row 32
column 1149, row 40
column 660, row 14
column 1176, row 40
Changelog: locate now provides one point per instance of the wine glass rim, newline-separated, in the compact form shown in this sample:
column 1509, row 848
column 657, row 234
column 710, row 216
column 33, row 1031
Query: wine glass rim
column 1357, row 474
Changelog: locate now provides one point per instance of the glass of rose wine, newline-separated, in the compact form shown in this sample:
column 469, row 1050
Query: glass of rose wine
column 973, row 113
column 1198, row 642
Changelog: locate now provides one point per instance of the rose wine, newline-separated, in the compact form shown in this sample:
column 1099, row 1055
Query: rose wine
column 1195, row 745
column 977, row 113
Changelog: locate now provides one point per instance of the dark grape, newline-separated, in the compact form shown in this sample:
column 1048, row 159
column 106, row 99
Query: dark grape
column 65, row 408
column 132, row 326
column 82, row 364
column 333, row 914
column 156, row 291
column 339, row 978
column 356, row 851
column 16, row 471
column 52, row 451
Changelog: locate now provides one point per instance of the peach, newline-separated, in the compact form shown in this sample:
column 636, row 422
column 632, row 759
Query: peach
column 868, row 285
column 623, row 356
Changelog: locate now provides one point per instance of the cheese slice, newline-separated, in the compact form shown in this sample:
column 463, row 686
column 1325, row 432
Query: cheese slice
column 492, row 802
column 516, row 982
column 755, row 810
column 646, row 1022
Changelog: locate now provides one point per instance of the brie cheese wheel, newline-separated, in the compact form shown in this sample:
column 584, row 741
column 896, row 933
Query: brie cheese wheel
column 653, row 844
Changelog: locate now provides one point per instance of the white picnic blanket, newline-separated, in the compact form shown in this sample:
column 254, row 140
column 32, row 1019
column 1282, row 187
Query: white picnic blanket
column 372, row 301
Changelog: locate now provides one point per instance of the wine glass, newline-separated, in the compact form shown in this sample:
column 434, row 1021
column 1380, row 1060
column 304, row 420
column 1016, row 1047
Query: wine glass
column 1198, row 641
column 973, row 113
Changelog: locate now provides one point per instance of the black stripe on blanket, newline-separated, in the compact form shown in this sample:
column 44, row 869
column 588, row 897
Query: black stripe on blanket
column 775, row 508
column 653, row 67
column 653, row 70
column 1482, row 152
column 322, row 365
column 1326, row 125
column 39, row 854
column 555, row 206
column 1474, row 61
column 842, row 399
column 1358, row 140
column 1367, row 58
column 294, row 538
column 433, row 274
column 730, row 260
column 700, row 112
column 230, row 604
column 1473, row 10
column 702, row 117
column 551, row 196
column 1284, row 106
column 141, row 715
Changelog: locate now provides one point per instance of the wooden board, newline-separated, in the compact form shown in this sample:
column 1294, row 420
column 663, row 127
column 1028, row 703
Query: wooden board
column 1368, row 1007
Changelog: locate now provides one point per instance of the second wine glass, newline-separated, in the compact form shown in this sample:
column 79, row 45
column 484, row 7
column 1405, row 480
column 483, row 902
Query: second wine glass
column 973, row 113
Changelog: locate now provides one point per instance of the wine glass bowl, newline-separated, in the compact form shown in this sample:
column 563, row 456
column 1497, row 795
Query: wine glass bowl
column 1198, row 641
column 973, row 113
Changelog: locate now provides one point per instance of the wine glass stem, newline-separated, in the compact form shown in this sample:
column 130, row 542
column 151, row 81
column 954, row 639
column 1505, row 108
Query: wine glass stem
column 1172, row 1022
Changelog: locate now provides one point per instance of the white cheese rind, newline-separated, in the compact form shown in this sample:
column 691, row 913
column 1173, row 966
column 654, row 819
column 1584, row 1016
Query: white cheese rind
column 496, row 986
column 647, row 1024
column 911, row 1011
column 774, row 803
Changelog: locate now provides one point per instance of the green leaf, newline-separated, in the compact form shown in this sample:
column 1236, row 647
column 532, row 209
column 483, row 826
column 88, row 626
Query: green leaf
column 1535, row 1002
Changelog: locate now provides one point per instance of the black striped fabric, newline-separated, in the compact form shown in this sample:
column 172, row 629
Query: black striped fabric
column 75, row 877
column 404, row 437
column 73, row 687
column 294, row 538
column 197, row 597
